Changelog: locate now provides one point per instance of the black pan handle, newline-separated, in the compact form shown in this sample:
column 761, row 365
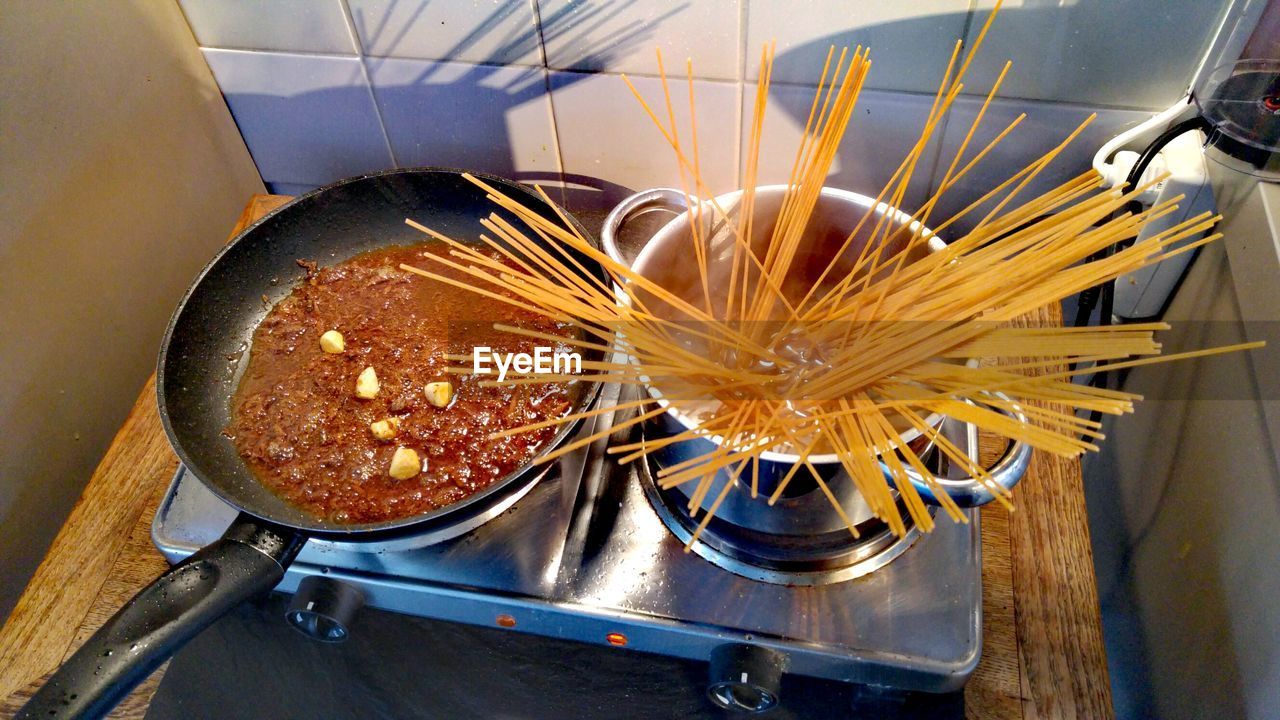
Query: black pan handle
column 248, row 560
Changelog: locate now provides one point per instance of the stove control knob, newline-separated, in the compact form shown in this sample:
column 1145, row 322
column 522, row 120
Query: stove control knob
column 323, row 608
column 746, row 678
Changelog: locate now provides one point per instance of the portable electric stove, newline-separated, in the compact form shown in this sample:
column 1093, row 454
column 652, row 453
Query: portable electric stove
column 593, row 553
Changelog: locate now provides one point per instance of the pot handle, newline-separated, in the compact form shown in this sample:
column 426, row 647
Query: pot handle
column 645, row 199
column 968, row 491
column 248, row 560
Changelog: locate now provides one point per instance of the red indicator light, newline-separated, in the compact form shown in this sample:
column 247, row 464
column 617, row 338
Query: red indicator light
column 616, row 639
column 506, row 621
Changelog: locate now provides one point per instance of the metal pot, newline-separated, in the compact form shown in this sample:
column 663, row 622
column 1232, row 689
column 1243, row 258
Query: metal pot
column 802, row 510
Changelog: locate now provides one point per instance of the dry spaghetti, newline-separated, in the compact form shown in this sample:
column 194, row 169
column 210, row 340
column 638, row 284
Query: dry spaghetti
column 892, row 322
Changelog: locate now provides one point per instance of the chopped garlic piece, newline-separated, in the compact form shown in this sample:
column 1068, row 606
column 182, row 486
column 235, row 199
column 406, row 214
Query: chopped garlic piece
column 405, row 464
column 385, row 429
column 332, row 342
column 367, row 384
column 439, row 393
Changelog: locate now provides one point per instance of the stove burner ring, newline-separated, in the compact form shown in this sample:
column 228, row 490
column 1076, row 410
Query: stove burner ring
column 818, row 559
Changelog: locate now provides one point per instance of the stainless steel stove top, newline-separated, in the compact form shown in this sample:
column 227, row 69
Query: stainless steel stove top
column 583, row 556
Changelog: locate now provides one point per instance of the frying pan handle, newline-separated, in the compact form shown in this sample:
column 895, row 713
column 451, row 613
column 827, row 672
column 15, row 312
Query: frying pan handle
column 248, row 560
column 643, row 200
column 969, row 491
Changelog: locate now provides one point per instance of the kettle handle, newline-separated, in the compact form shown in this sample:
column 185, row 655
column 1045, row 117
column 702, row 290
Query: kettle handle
column 645, row 199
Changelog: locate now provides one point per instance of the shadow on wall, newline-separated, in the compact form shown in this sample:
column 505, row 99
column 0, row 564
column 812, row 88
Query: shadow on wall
column 1082, row 59
column 886, row 123
column 1119, row 60
column 492, row 117
column 446, row 113
column 578, row 22
column 468, row 111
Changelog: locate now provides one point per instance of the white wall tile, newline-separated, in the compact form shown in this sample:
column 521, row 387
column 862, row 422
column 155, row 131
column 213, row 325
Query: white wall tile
column 621, row 35
column 1134, row 54
column 1046, row 125
column 479, row 117
column 289, row 25
column 604, row 133
column 307, row 119
column 884, row 126
column 499, row 32
column 910, row 42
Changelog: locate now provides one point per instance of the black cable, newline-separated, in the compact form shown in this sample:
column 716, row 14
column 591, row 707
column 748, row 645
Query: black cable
column 1089, row 298
column 1106, row 292
column 1144, row 160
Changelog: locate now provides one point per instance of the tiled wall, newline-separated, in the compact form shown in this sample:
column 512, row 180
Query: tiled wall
column 322, row 89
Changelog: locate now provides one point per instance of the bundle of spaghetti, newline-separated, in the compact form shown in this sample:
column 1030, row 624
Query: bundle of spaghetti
column 891, row 330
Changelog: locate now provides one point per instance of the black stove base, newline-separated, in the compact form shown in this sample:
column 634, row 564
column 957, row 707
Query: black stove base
column 252, row 665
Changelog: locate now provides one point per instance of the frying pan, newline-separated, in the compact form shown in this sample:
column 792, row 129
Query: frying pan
column 195, row 380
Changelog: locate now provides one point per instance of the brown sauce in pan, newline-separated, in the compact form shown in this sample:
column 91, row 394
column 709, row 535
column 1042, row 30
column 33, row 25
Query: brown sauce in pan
column 301, row 429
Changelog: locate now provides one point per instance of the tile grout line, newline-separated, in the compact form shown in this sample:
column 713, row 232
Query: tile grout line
column 271, row 51
column 1074, row 104
column 368, row 80
column 743, row 8
column 970, row 15
column 551, row 103
column 977, row 96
